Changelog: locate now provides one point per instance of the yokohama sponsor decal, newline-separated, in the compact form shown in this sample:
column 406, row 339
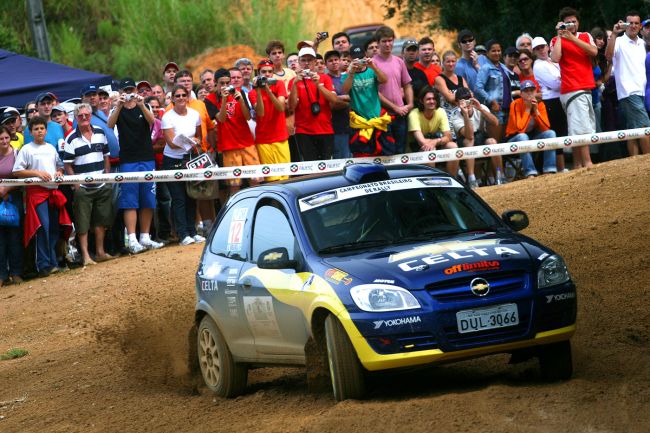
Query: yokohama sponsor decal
column 397, row 322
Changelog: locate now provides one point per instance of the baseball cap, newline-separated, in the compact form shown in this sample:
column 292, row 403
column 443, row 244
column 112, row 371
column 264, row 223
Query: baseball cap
column 464, row 34
column 89, row 88
column 526, row 84
column 409, row 43
column 306, row 51
column 511, row 51
column 357, row 53
column 480, row 49
column 143, row 83
column 538, row 41
column 171, row 65
column 59, row 107
column 126, row 83
column 8, row 114
column 645, row 22
column 264, row 62
column 47, row 95
column 103, row 90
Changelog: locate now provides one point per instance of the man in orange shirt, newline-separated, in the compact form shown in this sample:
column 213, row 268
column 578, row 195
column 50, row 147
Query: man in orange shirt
column 426, row 49
column 528, row 121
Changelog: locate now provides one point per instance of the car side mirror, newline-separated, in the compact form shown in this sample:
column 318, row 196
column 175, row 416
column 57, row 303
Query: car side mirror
column 276, row 258
column 515, row 219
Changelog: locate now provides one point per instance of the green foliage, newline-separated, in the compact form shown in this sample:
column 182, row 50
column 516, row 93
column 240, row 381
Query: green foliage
column 504, row 20
column 13, row 354
column 136, row 37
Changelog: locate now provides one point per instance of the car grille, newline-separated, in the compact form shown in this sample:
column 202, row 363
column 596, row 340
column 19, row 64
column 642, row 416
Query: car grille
column 458, row 289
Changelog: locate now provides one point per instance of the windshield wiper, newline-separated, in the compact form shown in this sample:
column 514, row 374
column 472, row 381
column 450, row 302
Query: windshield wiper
column 353, row 245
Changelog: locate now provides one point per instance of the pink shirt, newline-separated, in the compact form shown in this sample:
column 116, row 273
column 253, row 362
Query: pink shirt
column 398, row 76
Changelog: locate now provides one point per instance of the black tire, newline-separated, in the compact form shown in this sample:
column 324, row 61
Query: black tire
column 220, row 373
column 555, row 361
column 346, row 371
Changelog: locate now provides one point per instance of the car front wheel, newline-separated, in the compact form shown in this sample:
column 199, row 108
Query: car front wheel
column 555, row 361
column 345, row 369
column 220, row 373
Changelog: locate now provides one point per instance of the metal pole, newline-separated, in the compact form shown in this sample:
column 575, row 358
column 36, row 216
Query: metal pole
column 38, row 28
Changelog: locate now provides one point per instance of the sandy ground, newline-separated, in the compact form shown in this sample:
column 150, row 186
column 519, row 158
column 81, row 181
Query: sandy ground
column 108, row 344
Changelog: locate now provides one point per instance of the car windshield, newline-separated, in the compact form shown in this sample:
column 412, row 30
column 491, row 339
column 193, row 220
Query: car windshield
column 391, row 217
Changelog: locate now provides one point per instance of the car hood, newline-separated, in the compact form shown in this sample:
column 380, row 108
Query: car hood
column 415, row 265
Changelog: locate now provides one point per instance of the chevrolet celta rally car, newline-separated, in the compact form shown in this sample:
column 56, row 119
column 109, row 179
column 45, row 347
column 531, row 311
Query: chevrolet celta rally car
column 371, row 269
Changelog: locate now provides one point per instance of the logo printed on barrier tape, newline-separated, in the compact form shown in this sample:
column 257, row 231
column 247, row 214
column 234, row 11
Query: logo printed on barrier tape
column 621, row 135
column 148, row 176
column 322, row 166
column 594, row 139
column 58, row 179
column 377, row 160
column 404, row 159
column 432, row 156
column 88, row 179
column 178, row 175
column 540, row 145
column 647, row 132
column 459, row 153
column 28, row 181
column 348, row 162
column 513, row 148
column 486, row 151
column 207, row 174
column 293, row 168
column 568, row 142
column 266, row 169
column 236, row 172
column 119, row 178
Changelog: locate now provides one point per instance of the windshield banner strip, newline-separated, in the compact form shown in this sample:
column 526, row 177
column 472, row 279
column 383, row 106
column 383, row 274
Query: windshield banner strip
column 347, row 192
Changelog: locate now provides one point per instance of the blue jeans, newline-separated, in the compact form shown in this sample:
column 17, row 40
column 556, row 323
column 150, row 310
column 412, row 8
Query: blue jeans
column 341, row 146
column 526, row 158
column 11, row 244
column 46, row 236
column 183, row 206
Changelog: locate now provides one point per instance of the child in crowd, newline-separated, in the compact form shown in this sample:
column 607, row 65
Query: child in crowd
column 45, row 205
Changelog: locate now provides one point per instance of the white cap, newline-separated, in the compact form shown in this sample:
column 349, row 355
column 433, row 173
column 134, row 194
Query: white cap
column 306, row 51
column 538, row 41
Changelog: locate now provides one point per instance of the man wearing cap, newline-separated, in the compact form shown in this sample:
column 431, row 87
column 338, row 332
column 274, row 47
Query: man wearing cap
column 396, row 92
column 269, row 100
column 169, row 74
column 55, row 135
column 574, row 52
column 10, row 117
column 60, row 116
column 419, row 79
column 510, row 59
column 470, row 61
column 310, row 97
column 144, row 89
column 138, row 200
column 528, row 121
column 90, row 95
column 426, row 50
column 104, row 105
column 628, row 55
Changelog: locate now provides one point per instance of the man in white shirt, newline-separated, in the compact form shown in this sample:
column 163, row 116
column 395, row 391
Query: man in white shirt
column 627, row 52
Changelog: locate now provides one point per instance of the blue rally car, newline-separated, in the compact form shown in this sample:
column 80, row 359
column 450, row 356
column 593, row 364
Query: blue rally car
column 371, row 269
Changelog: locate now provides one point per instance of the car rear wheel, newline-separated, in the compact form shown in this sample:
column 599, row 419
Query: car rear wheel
column 555, row 361
column 345, row 369
column 220, row 373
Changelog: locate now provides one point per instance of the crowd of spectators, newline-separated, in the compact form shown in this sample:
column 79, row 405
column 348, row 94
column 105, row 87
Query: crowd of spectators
column 308, row 104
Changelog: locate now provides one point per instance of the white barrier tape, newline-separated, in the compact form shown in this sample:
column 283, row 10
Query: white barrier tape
column 312, row 167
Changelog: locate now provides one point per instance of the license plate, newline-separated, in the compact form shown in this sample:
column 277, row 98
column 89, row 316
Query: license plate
column 500, row 316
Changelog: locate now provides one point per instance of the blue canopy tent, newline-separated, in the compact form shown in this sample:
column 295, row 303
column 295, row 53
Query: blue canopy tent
column 25, row 77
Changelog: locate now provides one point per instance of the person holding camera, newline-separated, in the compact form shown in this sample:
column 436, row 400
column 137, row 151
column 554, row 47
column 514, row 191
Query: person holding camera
column 133, row 121
column 269, row 98
column 310, row 97
column 628, row 54
column 574, row 51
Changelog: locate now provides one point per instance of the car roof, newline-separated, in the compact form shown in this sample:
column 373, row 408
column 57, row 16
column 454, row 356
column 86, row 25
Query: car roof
column 306, row 185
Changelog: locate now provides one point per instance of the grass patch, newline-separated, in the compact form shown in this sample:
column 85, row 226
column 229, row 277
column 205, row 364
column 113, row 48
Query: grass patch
column 13, row 354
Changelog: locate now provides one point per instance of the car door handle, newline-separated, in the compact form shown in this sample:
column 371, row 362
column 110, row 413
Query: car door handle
column 247, row 284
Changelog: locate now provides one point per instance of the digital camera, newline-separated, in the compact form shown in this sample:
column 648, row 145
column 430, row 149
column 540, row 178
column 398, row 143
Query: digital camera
column 566, row 26
column 322, row 35
column 231, row 89
column 262, row 81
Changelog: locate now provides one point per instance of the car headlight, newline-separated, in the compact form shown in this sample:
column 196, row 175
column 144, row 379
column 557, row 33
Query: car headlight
column 553, row 271
column 383, row 297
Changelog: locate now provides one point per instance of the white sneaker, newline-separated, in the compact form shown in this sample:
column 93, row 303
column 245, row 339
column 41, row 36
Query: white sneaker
column 198, row 239
column 150, row 244
column 187, row 240
column 135, row 247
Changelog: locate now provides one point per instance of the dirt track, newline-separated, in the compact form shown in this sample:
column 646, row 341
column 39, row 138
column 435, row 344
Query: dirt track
column 108, row 344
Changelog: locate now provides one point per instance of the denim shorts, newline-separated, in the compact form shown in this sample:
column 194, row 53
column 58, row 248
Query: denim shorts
column 633, row 111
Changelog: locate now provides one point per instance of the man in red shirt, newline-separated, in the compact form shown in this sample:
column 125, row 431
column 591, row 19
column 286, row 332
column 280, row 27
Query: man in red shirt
column 574, row 51
column 310, row 96
column 269, row 100
column 426, row 49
